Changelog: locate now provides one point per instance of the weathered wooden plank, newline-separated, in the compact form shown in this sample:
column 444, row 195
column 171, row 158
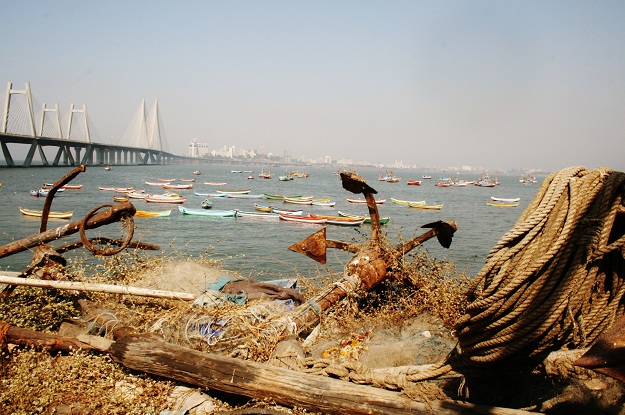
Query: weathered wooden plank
column 286, row 387
column 89, row 286
column 40, row 341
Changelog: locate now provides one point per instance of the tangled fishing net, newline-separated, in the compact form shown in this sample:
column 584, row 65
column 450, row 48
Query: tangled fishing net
column 556, row 280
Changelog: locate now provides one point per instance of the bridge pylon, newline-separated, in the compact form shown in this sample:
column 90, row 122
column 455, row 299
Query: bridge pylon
column 57, row 128
column 147, row 128
column 72, row 111
column 7, row 107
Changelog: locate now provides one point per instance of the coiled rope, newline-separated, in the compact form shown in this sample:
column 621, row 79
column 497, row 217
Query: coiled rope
column 557, row 278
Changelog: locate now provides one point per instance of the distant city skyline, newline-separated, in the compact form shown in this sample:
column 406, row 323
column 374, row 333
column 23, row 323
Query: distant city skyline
column 201, row 150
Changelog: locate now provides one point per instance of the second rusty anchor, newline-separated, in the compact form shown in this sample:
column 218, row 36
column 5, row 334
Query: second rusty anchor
column 371, row 261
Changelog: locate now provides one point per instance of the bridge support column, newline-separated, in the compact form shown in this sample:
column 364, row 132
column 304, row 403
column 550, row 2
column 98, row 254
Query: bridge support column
column 7, row 155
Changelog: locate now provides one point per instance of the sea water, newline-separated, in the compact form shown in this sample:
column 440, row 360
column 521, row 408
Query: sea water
column 258, row 248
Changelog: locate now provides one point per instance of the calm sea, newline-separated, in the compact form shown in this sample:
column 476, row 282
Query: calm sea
column 257, row 247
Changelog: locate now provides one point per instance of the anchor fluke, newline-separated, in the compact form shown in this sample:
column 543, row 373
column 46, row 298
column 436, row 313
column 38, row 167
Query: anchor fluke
column 313, row 246
column 356, row 184
column 444, row 231
column 607, row 354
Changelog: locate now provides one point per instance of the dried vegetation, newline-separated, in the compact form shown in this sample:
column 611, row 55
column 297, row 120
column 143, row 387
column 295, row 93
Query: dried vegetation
column 33, row 382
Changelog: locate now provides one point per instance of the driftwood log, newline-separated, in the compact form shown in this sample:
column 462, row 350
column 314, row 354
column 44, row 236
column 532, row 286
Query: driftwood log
column 150, row 354
column 40, row 341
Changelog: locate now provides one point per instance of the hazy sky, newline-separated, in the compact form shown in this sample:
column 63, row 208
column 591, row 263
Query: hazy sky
column 510, row 84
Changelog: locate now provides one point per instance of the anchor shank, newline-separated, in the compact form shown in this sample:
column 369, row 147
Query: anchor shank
column 48, row 203
column 375, row 218
column 343, row 246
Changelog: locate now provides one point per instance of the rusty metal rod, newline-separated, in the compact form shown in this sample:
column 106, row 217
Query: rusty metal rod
column 404, row 248
column 376, row 231
column 111, row 215
column 48, row 203
column 108, row 241
column 343, row 246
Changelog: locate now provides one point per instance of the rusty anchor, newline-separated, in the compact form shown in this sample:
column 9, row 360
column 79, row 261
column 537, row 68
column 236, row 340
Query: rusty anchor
column 371, row 261
column 49, row 259
column 607, row 354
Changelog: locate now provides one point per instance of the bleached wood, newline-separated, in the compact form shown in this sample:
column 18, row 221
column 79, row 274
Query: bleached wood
column 104, row 288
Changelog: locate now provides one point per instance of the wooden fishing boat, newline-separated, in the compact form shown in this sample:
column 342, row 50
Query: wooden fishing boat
column 210, row 194
column 140, row 194
column 274, row 197
column 325, row 204
column 65, row 187
column 292, row 212
column 243, row 196
column 340, row 220
column 257, row 215
column 239, row 192
column 205, row 212
column 156, row 183
column 125, row 190
column 388, row 177
column 114, row 189
column 166, row 180
column 39, row 213
column 414, row 182
column 152, row 214
column 178, row 186
column 505, row 200
column 187, row 180
column 298, row 200
column 383, row 221
column 206, row 204
column 120, row 199
column 359, row 200
column 165, row 199
column 215, row 183
column 42, row 192
column 407, row 202
column 423, row 206
column 264, row 175
column 502, row 204
column 262, row 208
column 302, row 219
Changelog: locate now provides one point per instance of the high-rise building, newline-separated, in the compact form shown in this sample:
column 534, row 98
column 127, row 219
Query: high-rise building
column 197, row 149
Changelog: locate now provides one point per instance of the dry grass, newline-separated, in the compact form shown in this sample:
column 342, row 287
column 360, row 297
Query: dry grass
column 33, row 381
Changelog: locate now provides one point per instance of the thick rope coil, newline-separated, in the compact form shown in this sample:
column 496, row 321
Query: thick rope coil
column 557, row 278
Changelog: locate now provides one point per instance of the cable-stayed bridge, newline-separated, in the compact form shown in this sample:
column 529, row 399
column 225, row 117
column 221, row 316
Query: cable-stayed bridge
column 52, row 140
